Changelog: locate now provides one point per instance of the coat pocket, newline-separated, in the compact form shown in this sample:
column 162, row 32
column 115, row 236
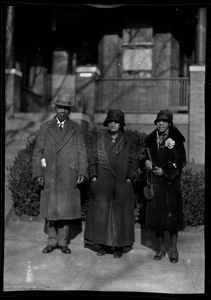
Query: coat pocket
column 74, row 166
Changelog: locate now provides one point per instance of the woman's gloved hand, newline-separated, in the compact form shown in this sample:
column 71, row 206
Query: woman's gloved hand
column 158, row 171
column 40, row 181
column 148, row 164
column 81, row 179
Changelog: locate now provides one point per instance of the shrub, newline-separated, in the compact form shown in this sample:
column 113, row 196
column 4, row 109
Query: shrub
column 193, row 195
column 24, row 192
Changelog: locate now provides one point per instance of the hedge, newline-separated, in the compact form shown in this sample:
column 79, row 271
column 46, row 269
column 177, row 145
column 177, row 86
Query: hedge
column 26, row 194
column 193, row 195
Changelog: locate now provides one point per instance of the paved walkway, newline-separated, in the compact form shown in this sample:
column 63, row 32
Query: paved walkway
column 27, row 268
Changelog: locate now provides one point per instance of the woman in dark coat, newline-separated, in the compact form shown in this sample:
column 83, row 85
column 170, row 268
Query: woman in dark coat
column 164, row 212
column 112, row 170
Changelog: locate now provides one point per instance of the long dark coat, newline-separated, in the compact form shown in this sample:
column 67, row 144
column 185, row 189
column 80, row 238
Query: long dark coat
column 164, row 212
column 110, row 214
column 66, row 159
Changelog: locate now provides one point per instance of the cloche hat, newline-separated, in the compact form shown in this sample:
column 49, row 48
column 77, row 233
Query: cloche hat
column 114, row 115
column 164, row 115
column 63, row 100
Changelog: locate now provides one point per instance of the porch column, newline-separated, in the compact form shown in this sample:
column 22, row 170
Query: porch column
column 201, row 36
column 9, row 50
column 110, row 51
column 85, row 91
column 12, row 75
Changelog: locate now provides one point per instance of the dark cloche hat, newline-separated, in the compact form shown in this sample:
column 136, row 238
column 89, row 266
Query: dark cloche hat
column 164, row 115
column 115, row 115
column 63, row 100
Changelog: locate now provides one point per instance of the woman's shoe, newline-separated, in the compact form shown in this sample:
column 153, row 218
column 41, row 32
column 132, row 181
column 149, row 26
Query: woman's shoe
column 101, row 252
column 160, row 254
column 173, row 256
column 118, row 252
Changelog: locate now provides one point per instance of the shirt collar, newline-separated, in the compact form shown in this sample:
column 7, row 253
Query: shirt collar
column 61, row 123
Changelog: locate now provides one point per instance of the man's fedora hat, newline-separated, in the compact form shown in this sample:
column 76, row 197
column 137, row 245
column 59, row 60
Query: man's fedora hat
column 114, row 115
column 63, row 100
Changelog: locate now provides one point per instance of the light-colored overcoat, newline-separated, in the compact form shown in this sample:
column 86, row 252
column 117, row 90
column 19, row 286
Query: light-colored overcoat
column 65, row 156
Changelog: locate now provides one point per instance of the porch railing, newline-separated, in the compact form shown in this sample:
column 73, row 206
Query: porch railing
column 142, row 95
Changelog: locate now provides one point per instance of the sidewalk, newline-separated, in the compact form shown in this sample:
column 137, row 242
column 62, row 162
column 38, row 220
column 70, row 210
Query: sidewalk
column 27, row 268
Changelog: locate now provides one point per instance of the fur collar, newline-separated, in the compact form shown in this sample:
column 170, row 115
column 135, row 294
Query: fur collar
column 174, row 134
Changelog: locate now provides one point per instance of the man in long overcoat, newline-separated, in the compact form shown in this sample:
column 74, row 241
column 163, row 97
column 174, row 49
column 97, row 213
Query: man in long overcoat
column 112, row 170
column 59, row 165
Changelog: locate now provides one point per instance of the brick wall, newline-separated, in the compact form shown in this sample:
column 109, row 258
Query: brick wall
column 197, row 115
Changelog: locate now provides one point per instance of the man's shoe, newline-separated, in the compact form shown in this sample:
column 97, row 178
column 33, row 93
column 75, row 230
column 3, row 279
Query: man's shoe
column 49, row 249
column 65, row 249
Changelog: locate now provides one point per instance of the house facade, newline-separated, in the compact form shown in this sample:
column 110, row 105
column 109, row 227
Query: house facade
column 137, row 58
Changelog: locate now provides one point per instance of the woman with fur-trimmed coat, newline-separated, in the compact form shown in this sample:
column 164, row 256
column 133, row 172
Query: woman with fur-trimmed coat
column 112, row 169
column 164, row 212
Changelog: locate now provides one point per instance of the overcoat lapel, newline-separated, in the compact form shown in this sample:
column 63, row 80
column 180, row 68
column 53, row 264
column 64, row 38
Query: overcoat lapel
column 67, row 134
column 52, row 129
column 120, row 144
column 69, row 130
column 103, row 158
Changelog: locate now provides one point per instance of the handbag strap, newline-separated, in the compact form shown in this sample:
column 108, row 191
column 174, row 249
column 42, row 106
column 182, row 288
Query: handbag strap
column 149, row 177
column 147, row 152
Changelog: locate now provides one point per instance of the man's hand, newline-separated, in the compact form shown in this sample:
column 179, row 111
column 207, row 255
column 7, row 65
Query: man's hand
column 80, row 179
column 94, row 179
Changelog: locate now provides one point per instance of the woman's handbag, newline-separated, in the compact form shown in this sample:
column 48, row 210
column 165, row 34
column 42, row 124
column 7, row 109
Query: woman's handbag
column 149, row 189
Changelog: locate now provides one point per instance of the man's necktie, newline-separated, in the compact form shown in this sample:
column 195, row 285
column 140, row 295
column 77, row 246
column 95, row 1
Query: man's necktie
column 60, row 124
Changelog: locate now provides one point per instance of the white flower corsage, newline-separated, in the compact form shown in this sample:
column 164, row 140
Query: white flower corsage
column 170, row 143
